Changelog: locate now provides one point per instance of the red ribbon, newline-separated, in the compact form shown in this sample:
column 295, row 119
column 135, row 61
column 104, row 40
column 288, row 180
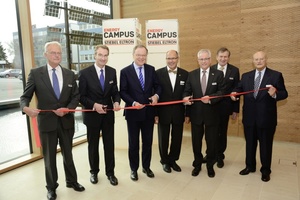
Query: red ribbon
column 35, row 126
column 36, row 132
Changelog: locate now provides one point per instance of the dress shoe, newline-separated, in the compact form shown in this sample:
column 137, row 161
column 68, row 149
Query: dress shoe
column 211, row 172
column 113, row 180
column 94, row 178
column 204, row 160
column 196, row 171
column 167, row 168
column 265, row 177
column 51, row 195
column 246, row 171
column 176, row 167
column 76, row 186
column 134, row 176
column 148, row 172
column 220, row 163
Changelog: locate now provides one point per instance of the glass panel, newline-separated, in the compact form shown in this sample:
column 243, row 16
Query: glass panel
column 77, row 25
column 14, row 140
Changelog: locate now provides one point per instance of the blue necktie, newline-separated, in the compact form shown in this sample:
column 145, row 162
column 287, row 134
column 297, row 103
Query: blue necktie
column 256, row 84
column 55, row 84
column 141, row 79
column 101, row 79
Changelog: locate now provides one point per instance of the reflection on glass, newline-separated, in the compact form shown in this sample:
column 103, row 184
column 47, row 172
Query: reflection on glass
column 77, row 25
column 14, row 141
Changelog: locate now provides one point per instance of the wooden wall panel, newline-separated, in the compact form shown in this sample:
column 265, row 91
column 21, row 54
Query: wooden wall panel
column 244, row 27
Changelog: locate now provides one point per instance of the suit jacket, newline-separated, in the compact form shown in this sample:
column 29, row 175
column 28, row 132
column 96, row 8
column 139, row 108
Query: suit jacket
column 91, row 92
column 198, row 111
column 261, row 111
column 231, row 80
column 174, row 112
column 131, row 90
column 39, row 83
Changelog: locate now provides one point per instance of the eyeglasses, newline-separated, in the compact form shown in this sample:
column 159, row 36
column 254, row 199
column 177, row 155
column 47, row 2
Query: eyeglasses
column 52, row 53
column 172, row 58
column 204, row 59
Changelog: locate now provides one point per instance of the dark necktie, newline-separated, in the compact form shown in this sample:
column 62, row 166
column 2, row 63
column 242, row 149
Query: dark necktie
column 141, row 79
column 256, row 84
column 222, row 69
column 55, row 84
column 101, row 78
column 203, row 82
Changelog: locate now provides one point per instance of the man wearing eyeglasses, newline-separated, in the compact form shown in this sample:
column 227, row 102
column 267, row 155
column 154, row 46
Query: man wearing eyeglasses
column 170, row 118
column 56, row 89
column 205, row 83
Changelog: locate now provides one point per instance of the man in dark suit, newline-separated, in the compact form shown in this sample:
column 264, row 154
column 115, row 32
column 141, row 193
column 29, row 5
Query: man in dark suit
column 56, row 89
column 139, row 86
column 260, row 112
column 226, row 106
column 172, row 80
column 204, row 82
column 99, row 96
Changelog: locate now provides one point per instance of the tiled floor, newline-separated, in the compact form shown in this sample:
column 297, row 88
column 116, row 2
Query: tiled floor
column 28, row 182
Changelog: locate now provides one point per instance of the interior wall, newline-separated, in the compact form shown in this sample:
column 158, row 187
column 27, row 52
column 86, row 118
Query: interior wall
column 244, row 27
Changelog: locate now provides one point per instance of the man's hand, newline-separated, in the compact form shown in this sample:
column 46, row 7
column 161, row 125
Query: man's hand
column 233, row 97
column 187, row 120
column 153, row 99
column 117, row 106
column 31, row 112
column 100, row 108
column 272, row 91
column 187, row 100
column 61, row 112
column 234, row 115
column 138, row 105
column 205, row 99
column 156, row 120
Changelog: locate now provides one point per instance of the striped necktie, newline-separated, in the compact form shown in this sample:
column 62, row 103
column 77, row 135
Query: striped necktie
column 256, row 84
column 141, row 78
column 203, row 82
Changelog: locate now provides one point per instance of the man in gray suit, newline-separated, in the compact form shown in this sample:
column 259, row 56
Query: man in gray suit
column 170, row 118
column 204, row 82
column 56, row 89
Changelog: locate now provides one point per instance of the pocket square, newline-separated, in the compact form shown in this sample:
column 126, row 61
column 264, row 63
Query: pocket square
column 230, row 78
column 214, row 83
column 70, row 85
column 182, row 82
column 111, row 82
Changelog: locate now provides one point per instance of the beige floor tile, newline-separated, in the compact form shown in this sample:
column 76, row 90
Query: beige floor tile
column 28, row 182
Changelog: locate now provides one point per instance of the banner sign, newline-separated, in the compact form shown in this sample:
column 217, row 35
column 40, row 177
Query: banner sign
column 121, row 35
column 162, row 35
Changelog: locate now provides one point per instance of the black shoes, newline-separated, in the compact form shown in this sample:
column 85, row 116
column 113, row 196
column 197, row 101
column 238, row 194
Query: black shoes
column 211, row 172
column 94, row 178
column 246, row 171
column 196, row 171
column 167, row 168
column 134, row 176
column 176, row 167
column 51, row 195
column 265, row 177
column 220, row 163
column 148, row 172
column 76, row 186
column 113, row 180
